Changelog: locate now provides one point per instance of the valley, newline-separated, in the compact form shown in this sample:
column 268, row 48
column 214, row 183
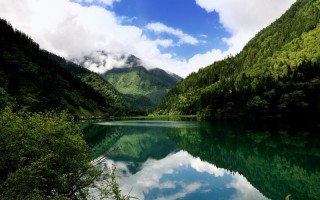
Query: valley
column 90, row 107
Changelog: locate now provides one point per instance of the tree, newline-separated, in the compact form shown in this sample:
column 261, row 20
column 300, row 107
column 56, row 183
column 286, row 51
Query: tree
column 294, row 102
column 43, row 156
column 257, row 106
column 4, row 98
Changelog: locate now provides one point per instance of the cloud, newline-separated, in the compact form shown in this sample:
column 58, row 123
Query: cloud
column 184, row 38
column 71, row 30
column 152, row 172
column 186, row 189
column 201, row 166
column 244, row 18
column 64, row 27
column 207, row 58
column 164, row 43
column 203, row 36
column 105, row 2
column 149, row 176
column 244, row 189
column 100, row 62
column 153, row 175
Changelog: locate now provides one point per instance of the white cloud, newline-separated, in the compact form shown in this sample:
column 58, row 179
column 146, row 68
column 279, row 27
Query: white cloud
column 72, row 30
column 183, row 37
column 207, row 58
column 164, row 43
column 186, row 189
column 244, row 18
column 105, row 2
column 203, row 36
column 149, row 176
column 101, row 62
column 152, row 172
column 244, row 189
column 201, row 166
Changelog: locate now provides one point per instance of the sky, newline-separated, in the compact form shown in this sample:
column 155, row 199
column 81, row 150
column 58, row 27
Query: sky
column 179, row 36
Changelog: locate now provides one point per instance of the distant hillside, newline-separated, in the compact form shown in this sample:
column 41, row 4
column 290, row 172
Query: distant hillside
column 29, row 79
column 277, row 73
column 144, row 88
column 116, row 104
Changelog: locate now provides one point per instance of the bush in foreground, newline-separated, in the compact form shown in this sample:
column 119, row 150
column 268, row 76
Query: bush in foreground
column 43, row 156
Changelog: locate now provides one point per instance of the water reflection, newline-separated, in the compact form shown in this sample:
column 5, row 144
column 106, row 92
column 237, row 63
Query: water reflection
column 192, row 160
column 151, row 123
column 182, row 176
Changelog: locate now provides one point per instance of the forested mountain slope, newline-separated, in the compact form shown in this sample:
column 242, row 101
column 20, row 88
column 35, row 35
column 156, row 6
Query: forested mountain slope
column 28, row 78
column 116, row 104
column 277, row 73
column 145, row 88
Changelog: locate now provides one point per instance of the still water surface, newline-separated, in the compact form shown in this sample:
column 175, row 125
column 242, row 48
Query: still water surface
column 201, row 160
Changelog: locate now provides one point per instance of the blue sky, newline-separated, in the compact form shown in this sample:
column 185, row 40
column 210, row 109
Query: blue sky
column 184, row 15
column 179, row 36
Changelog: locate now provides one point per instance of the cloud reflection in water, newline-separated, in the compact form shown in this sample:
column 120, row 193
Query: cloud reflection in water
column 182, row 176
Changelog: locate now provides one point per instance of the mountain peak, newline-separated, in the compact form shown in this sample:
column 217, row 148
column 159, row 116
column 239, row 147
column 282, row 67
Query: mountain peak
column 133, row 61
column 143, row 86
column 101, row 61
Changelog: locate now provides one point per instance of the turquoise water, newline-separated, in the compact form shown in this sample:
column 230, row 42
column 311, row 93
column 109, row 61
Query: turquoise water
column 199, row 160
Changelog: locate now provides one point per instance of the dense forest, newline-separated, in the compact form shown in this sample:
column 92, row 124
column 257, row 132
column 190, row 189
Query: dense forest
column 143, row 87
column 34, row 78
column 276, row 74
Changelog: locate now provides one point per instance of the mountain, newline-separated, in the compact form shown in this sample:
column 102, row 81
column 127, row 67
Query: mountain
column 143, row 87
column 28, row 78
column 276, row 74
column 116, row 104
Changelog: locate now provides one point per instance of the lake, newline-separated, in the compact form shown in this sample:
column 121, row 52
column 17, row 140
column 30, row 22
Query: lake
column 201, row 160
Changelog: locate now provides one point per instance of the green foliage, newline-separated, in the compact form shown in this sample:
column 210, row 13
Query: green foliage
column 281, row 62
column 257, row 105
column 293, row 101
column 43, row 156
column 4, row 99
column 205, row 113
